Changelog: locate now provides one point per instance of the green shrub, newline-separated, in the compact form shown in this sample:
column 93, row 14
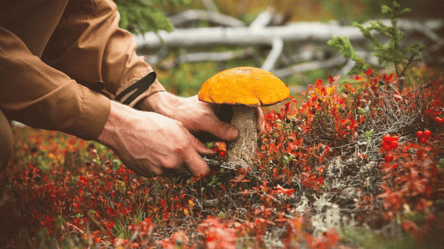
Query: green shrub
column 141, row 16
column 388, row 53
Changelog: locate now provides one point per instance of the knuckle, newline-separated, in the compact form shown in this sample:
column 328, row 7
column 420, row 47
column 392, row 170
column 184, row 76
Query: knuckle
column 172, row 164
column 180, row 148
column 180, row 124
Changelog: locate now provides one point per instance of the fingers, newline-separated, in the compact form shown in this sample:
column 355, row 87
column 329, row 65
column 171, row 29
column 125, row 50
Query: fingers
column 195, row 163
column 260, row 121
column 222, row 130
column 199, row 146
column 142, row 171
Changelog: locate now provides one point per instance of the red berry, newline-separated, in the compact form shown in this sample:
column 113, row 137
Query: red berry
column 423, row 140
column 439, row 120
column 388, row 158
column 427, row 134
column 394, row 144
column 222, row 153
column 387, row 147
column 387, row 138
column 216, row 149
column 419, row 134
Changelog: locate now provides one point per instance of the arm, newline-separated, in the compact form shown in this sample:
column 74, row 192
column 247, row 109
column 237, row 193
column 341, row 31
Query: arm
column 88, row 45
column 110, row 56
column 40, row 96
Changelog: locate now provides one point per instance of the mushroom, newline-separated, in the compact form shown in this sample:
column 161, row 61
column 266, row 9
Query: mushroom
column 244, row 88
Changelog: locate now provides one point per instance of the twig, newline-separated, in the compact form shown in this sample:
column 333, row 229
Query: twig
column 77, row 228
column 406, row 66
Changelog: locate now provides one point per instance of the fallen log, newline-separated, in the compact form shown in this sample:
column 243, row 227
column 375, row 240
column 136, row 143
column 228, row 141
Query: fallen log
column 198, row 37
column 297, row 32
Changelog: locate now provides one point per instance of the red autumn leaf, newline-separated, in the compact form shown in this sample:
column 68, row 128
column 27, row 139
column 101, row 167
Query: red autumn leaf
column 369, row 72
column 240, row 178
column 281, row 190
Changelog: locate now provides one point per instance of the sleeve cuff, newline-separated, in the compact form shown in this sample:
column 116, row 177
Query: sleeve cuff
column 127, row 95
column 94, row 113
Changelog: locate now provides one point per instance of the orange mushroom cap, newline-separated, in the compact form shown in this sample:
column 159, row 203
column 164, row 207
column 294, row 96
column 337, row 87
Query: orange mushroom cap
column 244, row 86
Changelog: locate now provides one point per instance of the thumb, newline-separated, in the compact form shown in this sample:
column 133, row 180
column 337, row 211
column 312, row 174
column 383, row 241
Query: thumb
column 260, row 121
column 222, row 130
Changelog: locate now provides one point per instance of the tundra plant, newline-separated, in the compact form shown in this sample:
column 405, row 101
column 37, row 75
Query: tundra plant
column 141, row 16
column 388, row 53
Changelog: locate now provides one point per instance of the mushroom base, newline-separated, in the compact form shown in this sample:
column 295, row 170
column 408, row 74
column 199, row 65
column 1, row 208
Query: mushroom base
column 244, row 147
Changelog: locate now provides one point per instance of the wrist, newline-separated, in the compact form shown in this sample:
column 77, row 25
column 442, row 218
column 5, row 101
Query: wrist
column 160, row 102
column 118, row 116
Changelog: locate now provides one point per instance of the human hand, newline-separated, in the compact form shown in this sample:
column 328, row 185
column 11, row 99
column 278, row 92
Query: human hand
column 197, row 116
column 148, row 143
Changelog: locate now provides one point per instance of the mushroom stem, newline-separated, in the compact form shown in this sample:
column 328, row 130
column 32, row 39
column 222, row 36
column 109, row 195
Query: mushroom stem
column 243, row 148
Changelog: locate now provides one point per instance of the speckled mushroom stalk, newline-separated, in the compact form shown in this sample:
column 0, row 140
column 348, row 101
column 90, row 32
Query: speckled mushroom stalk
column 243, row 148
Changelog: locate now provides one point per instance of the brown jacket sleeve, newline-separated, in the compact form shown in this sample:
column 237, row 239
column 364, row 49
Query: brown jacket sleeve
column 38, row 95
column 88, row 46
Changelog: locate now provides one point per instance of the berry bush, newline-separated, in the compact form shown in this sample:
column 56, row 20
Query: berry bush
column 359, row 154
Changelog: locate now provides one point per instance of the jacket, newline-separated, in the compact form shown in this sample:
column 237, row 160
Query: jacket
column 49, row 47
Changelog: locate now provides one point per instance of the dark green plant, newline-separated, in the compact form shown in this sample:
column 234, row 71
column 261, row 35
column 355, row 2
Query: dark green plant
column 141, row 16
column 392, row 52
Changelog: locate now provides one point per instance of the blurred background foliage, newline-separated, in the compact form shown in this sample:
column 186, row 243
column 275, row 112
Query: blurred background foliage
column 185, row 79
column 147, row 14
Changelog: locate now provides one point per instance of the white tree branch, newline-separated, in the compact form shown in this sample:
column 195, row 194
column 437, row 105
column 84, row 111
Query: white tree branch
column 297, row 32
column 207, row 56
column 195, row 37
column 335, row 61
column 262, row 20
column 273, row 56
column 210, row 5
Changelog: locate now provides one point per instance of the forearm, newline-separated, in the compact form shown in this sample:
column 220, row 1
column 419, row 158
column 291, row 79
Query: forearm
column 160, row 102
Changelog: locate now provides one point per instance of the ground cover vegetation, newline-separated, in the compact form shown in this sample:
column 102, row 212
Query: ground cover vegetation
column 358, row 163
